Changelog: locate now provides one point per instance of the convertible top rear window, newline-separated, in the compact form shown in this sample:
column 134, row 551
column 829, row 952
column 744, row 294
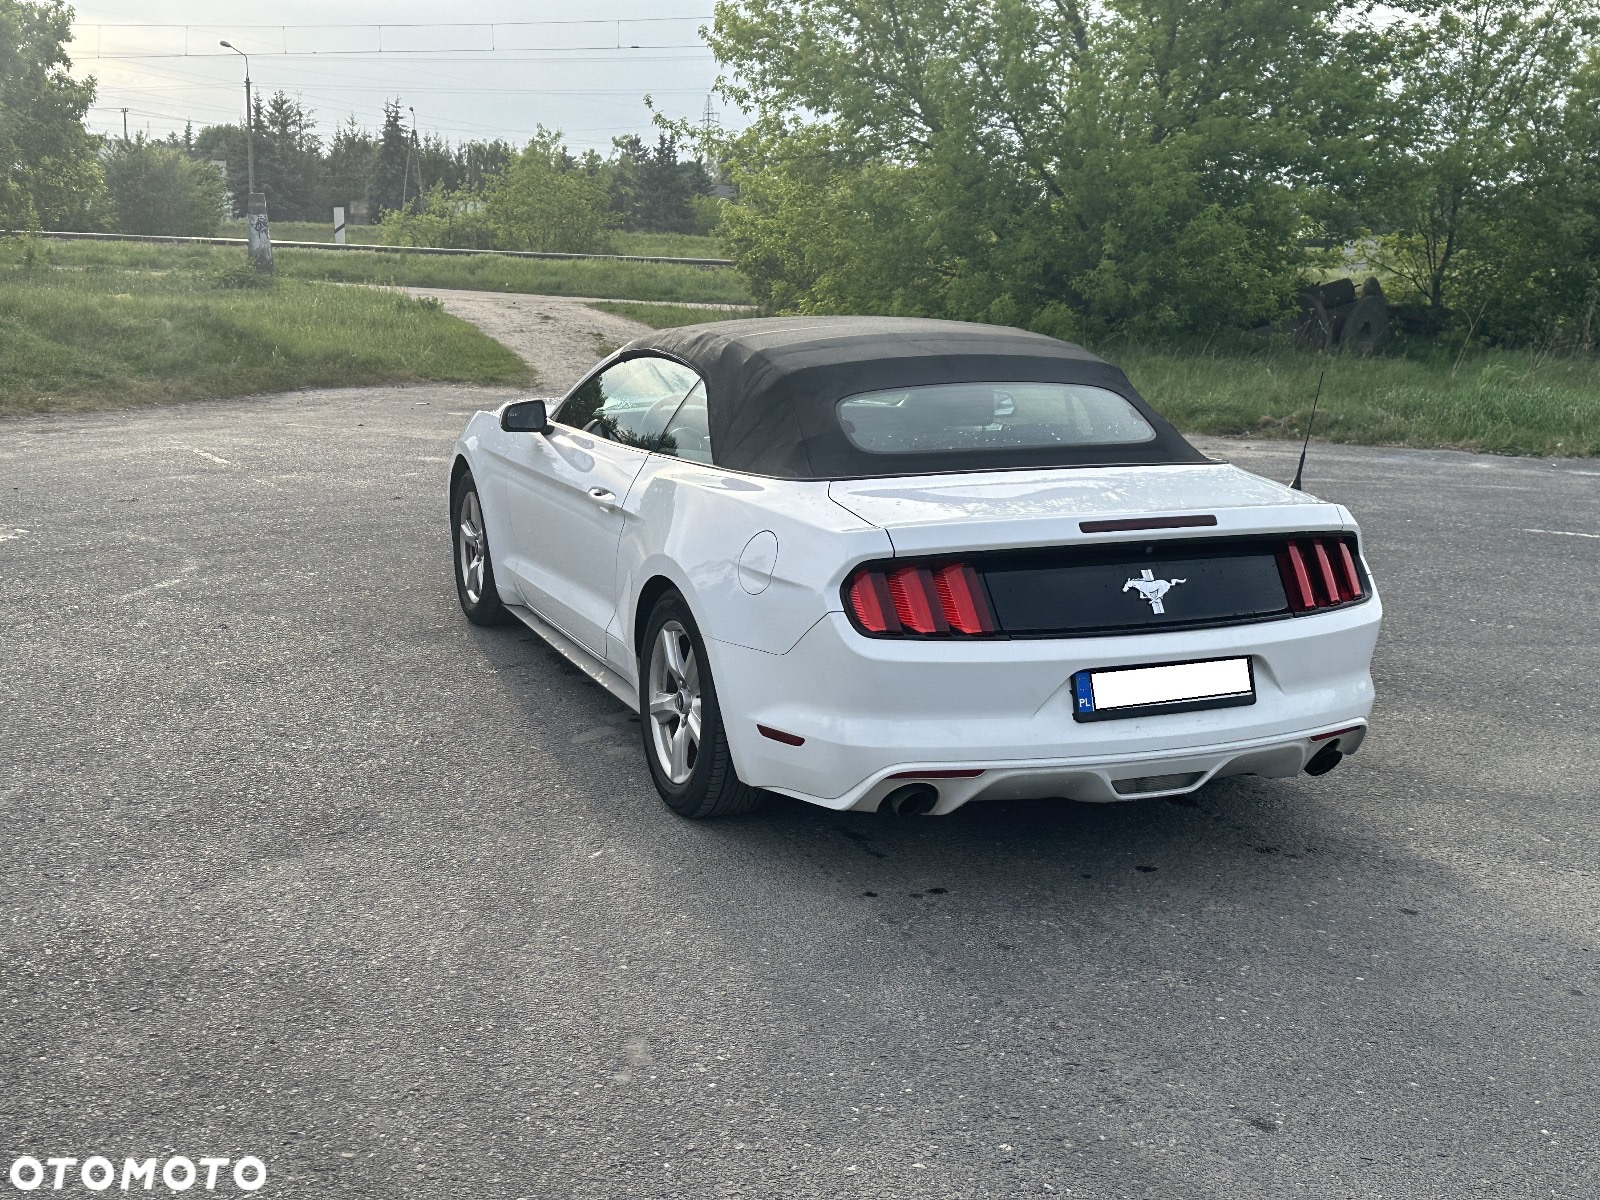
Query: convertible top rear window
column 990, row 416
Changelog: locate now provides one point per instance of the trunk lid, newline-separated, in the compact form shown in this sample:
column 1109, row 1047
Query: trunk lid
column 936, row 514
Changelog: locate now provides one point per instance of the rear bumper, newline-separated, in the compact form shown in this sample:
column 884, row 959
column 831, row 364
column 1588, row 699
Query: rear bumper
column 870, row 709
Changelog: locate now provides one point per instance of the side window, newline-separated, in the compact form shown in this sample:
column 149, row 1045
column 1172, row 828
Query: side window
column 689, row 433
column 629, row 402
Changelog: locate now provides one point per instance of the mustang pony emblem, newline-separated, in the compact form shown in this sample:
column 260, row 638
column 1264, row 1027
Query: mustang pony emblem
column 1152, row 589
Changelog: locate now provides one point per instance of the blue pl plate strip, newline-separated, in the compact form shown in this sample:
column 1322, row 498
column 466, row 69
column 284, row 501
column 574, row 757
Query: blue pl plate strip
column 1085, row 690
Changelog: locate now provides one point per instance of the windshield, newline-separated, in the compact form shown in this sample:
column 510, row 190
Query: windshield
column 990, row 416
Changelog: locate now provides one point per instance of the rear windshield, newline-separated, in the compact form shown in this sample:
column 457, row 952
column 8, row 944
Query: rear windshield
column 990, row 416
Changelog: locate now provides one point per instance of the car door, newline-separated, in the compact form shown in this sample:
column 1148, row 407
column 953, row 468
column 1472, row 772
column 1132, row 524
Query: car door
column 568, row 490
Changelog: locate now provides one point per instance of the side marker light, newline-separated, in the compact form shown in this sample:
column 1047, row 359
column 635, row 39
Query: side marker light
column 778, row 735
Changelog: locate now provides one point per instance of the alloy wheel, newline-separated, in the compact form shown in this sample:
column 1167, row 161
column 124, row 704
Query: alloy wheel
column 472, row 547
column 674, row 703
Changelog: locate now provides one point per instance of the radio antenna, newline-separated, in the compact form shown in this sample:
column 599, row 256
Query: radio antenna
column 1301, row 469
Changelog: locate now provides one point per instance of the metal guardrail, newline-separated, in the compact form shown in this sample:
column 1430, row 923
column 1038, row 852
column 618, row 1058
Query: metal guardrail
column 277, row 245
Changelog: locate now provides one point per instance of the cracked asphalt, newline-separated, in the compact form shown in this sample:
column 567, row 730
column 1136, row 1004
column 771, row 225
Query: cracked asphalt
column 297, row 863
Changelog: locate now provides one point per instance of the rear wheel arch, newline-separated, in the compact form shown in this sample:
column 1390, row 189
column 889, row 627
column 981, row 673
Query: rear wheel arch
column 650, row 594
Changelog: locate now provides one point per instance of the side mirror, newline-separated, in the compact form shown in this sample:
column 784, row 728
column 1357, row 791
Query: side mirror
column 525, row 416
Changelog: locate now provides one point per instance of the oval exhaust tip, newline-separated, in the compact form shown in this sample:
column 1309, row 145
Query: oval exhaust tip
column 1325, row 760
column 912, row 800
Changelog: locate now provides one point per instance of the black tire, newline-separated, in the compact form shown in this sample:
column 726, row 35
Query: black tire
column 712, row 788
column 481, row 602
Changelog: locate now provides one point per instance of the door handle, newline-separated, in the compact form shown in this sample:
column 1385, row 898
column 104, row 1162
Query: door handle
column 603, row 497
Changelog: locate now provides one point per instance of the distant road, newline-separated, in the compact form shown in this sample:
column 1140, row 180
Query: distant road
column 558, row 336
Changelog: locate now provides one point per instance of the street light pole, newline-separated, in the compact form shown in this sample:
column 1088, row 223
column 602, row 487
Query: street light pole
column 249, row 116
column 257, row 235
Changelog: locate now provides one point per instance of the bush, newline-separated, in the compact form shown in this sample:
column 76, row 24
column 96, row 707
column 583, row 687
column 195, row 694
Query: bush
column 452, row 219
column 156, row 189
column 534, row 204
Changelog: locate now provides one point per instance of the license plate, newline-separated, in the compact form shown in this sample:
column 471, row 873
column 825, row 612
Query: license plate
column 1120, row 692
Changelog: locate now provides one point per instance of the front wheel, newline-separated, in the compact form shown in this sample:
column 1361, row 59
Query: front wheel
column 684, row 740
column 474, row 567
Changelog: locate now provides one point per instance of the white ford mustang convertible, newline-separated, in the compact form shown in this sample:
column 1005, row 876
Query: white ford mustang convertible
column 905, row 564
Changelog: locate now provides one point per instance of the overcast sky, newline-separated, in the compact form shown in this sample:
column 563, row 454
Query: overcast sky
column 583, row 66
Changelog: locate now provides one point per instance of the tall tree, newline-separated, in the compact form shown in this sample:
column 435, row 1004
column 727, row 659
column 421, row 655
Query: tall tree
column 625, row 180
column 1482, row 114
column 289, row 163
column 392, row 182
column 481, row 160
column 666, row 187
column 1582, row 274
column 226, row 144
column 348, row 167
column 49, row 177
column 435, row 162
column 1130, row 164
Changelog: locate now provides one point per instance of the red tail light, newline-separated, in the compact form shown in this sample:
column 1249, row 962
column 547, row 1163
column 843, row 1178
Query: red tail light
column 1296, row 579
column 872, row 604
column 940, row 598
column 1352, row 577
column 943, row 601
column 915, row 602
column 966, row 607
column 1319, row 572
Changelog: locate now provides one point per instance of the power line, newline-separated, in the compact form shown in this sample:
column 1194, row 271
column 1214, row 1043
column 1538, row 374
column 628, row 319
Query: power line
column 359, row 87
column 505, row 52
column 320, row 71
column 497, row 33
column 396, row 24
column 492, row 91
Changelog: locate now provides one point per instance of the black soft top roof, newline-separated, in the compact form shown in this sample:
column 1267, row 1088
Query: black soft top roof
column 773, row 383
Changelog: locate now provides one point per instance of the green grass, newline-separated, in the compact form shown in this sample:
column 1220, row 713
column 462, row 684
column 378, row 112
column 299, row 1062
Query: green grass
column 1498, row 401
column 666, row 245
column 90, row 339
column 545, row 277
column 486, row 272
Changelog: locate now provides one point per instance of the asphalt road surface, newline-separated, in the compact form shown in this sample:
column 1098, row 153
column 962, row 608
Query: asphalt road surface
column 299, row 864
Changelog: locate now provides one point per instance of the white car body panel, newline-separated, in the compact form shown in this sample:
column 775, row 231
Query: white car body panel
column 565, row 502
column 870, row 708
column 694, row 525
column 941, row 513
column 761, row 563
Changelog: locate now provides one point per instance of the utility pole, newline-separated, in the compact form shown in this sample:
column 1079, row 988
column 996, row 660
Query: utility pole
column 405, row 178
column 257, row 235
column 124, row 124
column 417, row 146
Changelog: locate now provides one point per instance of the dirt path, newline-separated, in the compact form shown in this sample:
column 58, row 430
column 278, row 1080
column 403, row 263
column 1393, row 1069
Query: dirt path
column 560, row 337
